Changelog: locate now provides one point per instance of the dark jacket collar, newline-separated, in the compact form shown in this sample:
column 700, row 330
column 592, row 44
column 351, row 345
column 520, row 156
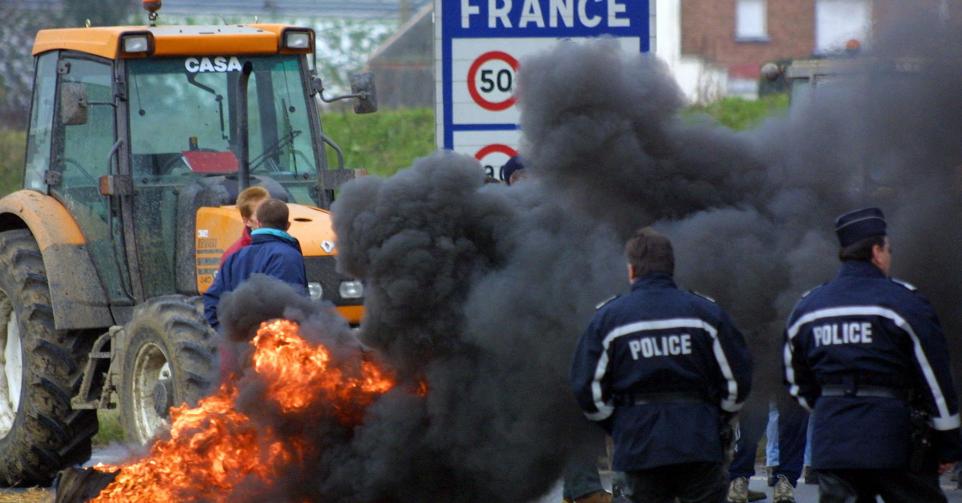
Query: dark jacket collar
column 271, row 238
column 654, row 280
column 859, row 269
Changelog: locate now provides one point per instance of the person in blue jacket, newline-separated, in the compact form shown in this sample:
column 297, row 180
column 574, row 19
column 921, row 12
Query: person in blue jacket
column 866, row 354
column 663, row 371
column 272, row 251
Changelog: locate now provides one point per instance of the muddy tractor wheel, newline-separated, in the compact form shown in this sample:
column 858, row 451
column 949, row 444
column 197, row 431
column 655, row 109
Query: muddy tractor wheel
column 169, row 360
column 41, row 370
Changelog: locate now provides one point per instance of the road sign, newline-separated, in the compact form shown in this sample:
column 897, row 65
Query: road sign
column 480, row 45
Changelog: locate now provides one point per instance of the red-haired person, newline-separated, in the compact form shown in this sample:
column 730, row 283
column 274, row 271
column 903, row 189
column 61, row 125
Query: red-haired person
column 247, row 202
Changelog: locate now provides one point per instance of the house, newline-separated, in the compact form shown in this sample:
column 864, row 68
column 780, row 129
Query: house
column 403, row 65
column 732, row 39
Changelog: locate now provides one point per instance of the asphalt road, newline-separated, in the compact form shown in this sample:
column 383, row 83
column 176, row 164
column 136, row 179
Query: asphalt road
column 803, row 493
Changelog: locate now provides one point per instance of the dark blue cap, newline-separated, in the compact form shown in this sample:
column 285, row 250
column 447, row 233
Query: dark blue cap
column 857, row 225
column 513, row 164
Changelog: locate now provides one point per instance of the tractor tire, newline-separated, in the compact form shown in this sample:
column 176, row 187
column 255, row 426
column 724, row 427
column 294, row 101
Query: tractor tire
column 170, row 359
column 42, row 368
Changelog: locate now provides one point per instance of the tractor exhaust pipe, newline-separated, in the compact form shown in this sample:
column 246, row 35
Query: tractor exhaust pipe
column 243, row 143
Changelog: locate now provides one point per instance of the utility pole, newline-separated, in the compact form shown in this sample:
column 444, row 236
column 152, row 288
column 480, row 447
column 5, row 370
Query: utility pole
column 404, row 11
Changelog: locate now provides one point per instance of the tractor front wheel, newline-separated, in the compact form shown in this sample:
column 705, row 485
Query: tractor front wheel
column 169, row 360
column 40, row 370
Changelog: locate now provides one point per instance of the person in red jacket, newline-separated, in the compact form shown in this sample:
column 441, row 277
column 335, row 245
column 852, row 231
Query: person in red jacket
column 247, row 202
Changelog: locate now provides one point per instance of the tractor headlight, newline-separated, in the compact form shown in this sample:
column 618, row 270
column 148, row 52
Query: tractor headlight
column 298, row 39
column 351, row 289
column 137, row 44
column 315, row 290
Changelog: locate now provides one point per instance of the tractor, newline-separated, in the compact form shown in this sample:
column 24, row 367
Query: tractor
column 139, row 140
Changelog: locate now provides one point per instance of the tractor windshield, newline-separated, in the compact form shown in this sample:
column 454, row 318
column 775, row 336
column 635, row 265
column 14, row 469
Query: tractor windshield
column 183, row 121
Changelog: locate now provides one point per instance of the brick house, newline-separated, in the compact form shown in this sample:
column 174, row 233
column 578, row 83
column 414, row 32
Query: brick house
column 738, row 36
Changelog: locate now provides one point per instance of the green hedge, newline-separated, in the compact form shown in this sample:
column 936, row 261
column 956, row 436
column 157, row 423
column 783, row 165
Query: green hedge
column 12, row 148
column 740, row 114
column 382, row 142
column 389, row 140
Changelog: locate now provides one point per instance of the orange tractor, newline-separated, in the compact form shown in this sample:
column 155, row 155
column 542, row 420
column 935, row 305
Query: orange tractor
column 140, row 139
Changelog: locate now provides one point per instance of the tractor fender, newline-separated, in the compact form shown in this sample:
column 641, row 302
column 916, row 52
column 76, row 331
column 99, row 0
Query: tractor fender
column 76, row 292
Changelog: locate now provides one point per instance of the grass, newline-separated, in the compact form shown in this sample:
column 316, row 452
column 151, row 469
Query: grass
column 110, row 429
column 31, row 495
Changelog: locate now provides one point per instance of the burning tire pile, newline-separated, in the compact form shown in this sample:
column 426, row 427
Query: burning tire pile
column 214, row 448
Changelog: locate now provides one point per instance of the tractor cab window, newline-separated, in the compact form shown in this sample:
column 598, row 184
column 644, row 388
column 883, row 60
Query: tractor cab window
column 83, row 139
column 185, row 152
column 183, row 121
column 41, row 121
column 86, row 143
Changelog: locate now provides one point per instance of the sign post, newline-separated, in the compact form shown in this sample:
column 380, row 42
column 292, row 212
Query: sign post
column 479, row 45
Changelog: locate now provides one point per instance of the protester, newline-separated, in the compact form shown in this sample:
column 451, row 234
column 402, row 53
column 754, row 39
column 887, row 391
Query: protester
column 272, row 251
column 247, row 202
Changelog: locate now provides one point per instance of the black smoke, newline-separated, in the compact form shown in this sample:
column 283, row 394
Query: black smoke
column 482, row 290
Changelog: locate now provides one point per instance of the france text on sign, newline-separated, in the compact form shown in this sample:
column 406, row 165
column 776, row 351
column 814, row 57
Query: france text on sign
column 480, row 45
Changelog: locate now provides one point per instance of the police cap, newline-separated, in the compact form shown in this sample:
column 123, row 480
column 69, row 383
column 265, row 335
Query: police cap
column 857, row 225
column 510, row 167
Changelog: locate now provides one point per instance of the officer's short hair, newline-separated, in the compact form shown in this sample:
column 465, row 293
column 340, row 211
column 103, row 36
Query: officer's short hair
column 649, row 251
column 860, row 250
column 273, row 213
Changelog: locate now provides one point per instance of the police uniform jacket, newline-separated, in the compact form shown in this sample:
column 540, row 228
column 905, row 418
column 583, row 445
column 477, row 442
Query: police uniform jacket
column 854, row 347
column 656, row 368
column 271, row 252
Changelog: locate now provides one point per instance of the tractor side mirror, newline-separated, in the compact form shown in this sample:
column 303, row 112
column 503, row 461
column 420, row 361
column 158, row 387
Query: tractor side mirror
column 362, row 91
column 73, row 103
column 362, row 86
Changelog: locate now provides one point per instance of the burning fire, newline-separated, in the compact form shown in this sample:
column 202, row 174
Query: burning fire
column 213, row 447
column 298, row 374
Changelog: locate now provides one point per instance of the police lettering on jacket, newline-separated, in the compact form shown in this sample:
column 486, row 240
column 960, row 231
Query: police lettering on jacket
column 842, row 333
column 666, row 345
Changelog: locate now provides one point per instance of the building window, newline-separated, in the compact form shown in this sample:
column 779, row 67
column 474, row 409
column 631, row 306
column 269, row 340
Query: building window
column 839, row 21
column 750, row 20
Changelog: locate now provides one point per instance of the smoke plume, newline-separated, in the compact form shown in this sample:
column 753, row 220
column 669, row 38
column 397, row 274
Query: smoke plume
column 481, row 291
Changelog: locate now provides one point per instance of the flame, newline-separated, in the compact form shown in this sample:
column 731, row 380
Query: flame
column 299, row 374
column 213, row 446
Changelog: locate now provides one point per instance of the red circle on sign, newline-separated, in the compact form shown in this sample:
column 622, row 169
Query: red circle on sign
column 473, row 72
column 496, row 147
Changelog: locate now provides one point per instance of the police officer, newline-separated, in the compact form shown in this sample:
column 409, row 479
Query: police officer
column 663, row 371
column 866, row 354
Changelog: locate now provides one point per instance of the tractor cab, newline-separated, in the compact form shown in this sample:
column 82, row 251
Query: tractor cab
column 139, row 131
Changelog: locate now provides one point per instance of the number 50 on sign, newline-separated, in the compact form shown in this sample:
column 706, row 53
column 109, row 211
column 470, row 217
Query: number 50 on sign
column 491, row 80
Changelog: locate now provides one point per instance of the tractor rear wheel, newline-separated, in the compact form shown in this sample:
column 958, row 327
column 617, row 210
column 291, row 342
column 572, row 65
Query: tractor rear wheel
column 169, row 360
column 42, row 367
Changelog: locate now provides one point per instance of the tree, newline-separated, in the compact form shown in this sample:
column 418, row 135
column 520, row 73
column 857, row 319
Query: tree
column 22, row 20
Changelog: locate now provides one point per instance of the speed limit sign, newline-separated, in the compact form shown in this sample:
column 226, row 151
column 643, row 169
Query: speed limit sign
column 493, row 157
column 481, row 45
column 491, row 80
